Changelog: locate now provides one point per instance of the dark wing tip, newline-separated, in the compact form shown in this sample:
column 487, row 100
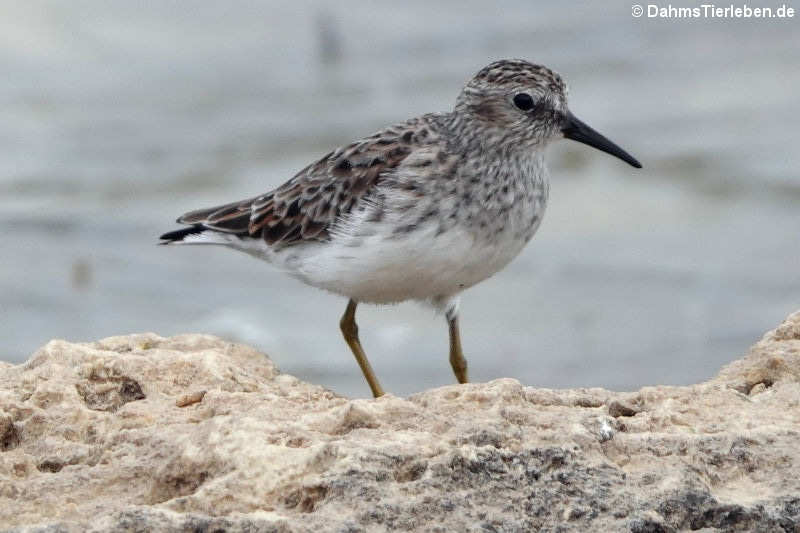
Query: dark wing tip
column 180, row 234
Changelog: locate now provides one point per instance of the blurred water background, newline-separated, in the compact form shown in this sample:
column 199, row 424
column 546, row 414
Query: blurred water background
column 118, row 116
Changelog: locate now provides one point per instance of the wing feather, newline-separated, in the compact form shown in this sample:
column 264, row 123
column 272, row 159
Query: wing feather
column 306, row 207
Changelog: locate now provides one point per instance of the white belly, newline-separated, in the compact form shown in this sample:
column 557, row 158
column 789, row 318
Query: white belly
column 416, row 266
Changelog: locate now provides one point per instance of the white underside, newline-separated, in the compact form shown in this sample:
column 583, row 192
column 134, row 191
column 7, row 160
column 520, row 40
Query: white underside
column 368, row 266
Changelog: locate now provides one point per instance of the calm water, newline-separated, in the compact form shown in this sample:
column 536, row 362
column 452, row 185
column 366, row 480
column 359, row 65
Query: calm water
column 116, row 117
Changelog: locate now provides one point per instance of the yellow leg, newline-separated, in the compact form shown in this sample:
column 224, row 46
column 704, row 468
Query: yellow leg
column 457, row 360
column 350, row 332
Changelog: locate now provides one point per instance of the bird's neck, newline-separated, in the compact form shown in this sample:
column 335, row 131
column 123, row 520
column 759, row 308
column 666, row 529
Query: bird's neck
column 467, row 133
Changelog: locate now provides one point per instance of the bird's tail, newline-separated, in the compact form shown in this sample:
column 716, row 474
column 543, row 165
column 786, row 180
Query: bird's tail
column 184, row 235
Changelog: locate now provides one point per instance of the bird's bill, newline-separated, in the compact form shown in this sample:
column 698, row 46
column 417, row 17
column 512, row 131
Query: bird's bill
column 577, row 130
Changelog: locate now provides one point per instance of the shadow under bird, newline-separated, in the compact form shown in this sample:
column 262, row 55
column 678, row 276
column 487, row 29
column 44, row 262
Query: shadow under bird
column 417, row 211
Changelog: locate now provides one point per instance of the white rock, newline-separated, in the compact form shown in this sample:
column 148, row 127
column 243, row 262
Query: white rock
column 143, row 433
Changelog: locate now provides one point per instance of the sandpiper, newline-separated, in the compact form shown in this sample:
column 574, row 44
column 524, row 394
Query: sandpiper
column 417, row 211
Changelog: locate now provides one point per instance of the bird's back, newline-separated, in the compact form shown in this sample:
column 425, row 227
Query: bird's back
column 306, row 208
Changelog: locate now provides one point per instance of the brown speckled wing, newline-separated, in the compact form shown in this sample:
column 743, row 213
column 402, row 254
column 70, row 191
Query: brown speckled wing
column 305, row 207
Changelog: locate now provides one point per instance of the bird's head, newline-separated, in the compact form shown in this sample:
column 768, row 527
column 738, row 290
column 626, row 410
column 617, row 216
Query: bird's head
column 520, row 105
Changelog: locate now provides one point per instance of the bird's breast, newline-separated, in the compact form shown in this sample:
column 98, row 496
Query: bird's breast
column 508, row 204
column 421, row 240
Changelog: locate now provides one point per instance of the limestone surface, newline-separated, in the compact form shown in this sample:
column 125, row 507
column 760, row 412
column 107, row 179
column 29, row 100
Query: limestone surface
column 193, row 433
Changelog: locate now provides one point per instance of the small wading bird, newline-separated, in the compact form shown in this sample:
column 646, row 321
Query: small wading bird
column 418, row 211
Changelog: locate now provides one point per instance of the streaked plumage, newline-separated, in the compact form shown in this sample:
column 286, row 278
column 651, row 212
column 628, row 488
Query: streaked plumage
column 418, row 211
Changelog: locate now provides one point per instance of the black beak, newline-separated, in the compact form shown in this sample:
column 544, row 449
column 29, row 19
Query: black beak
column 578, row 131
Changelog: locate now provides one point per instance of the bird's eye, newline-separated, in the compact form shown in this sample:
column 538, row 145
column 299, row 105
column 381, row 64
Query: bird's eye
column 523, row 101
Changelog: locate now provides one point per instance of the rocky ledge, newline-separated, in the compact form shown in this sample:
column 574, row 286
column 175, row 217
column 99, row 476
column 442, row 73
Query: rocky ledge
column 193, row 433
